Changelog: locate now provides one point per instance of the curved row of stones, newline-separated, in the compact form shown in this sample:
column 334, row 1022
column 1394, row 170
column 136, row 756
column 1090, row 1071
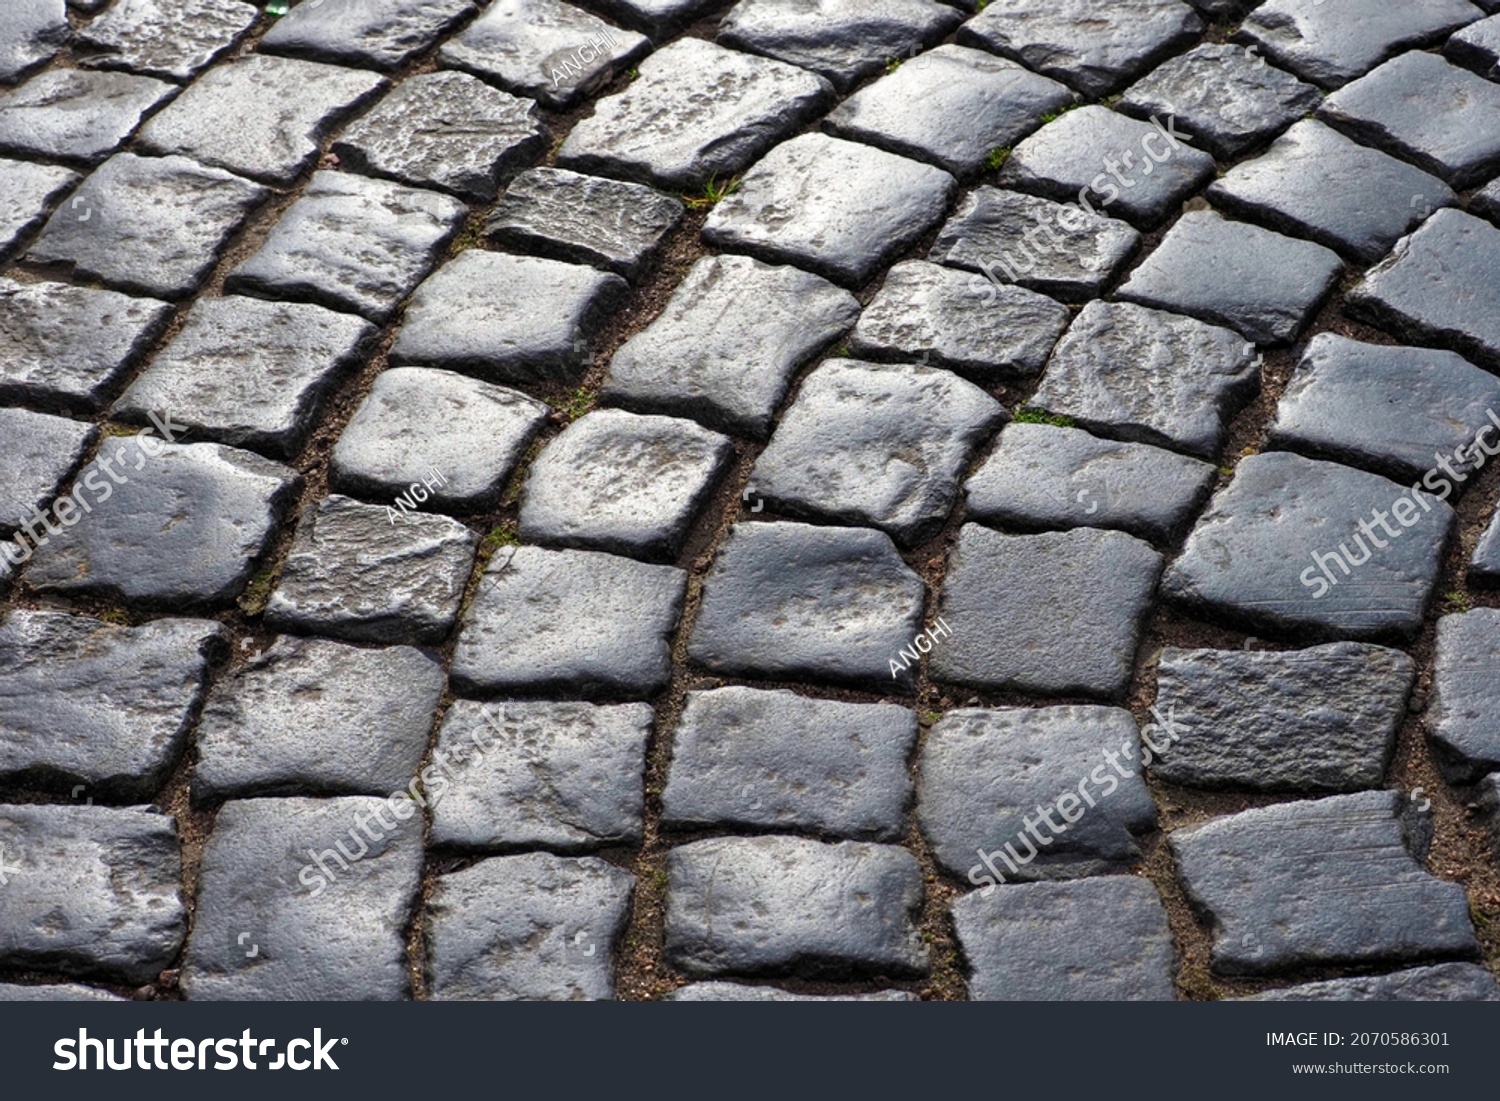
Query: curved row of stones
column 1027, row 149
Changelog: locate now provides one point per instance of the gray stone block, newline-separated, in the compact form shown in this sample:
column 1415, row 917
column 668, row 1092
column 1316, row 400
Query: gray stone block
column 593, row 625
column 93, row 891
column 797, row 602
column 1321, row 719
column 351, row 243
column 618, row 482
column 311, row 717
column 1444, row 982
column 527, row 928
column 42, row 452
column 75, row 114
column 416, row 421
column 354, row 573
column 1043, row 477
column 726, row 346
column 162, row 38
column 1460, row 711
column 663, row 130
column 1098, row 940
column 566, row 776
column 380, row 34
column 149, row 225
column 1053, row 614
column 777, row 904
column 1319, row 883
column 87, row 703
column 305, row 900
column 1264, row 553
column 183, row 528
column 882, row 445
column 745, row 757
column 507, row 318
column 989, row 782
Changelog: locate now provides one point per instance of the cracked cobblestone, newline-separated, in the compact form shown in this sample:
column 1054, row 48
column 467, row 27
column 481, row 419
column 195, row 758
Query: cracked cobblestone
column 726, row 467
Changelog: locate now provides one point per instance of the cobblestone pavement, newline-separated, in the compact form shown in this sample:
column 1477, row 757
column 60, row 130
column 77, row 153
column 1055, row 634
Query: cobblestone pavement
column 881, row 499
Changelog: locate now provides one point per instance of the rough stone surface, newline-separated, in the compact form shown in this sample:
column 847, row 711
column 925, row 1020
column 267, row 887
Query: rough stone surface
column 738, row 992
column 697, row 111
column 840, row 209
column 150, row 225
column 620, row 482
column 33, row 32
column 447, row 131
column 355, row 573
column 28, row 192
column 250, row 373
column 984, row 774
column 745, row 757
column 183, row 530
column 986, row 234
column 1096, row 940
column 1055, row 614
column 1445, row 982
column 54, row 992
column 351, row 243
column 1258, row 282
column 1477, row 46
column 843, row 40
column 1486, row 201
column 1150, row 377
column 84, row 702
column 777, row 904
column 41, row 451
column 298, row 103
column 932, row 314
column 96, row 892
column 417, row 422
column 882, row 445
column 1064, row 159
column 321, row 904
column 1331, row 46
column 1460, row 711
column 655, row 17
column 565, row 776
column 724, row 349
column 544, row 49
column 951, row 107
column 64, row 347
column 584, row 219
column 1044, row 477
column 527, row 928
column 1227, row 99
column 382, row 34
column 1318, row 184
column 793, row 601
column 1427, row 111
column 1280, row 550
column 507, row 318
column 76, row 115
column 593, row 625
column 315, row 717
column 1322, row 882
column 1322, row 719
column 1386, row 408
column 1484, row 564
column 1439, row 286
column 1094, row 48
column 163, row 38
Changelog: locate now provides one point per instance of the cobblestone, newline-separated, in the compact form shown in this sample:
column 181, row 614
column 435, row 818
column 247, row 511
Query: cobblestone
column 76, row 115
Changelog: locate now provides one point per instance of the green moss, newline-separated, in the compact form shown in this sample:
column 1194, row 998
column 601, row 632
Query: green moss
column 998, row 157
column 1029, row 415
column 1457, row 601
column 253, row 600
column 502, row 536
column 892, row 64
column 578, row 403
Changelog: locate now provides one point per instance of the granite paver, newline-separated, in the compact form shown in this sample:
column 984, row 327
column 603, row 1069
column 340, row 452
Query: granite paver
column 76, row 115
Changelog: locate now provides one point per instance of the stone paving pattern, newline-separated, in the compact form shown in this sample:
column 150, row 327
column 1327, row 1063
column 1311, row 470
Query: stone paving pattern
column 750, row 500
